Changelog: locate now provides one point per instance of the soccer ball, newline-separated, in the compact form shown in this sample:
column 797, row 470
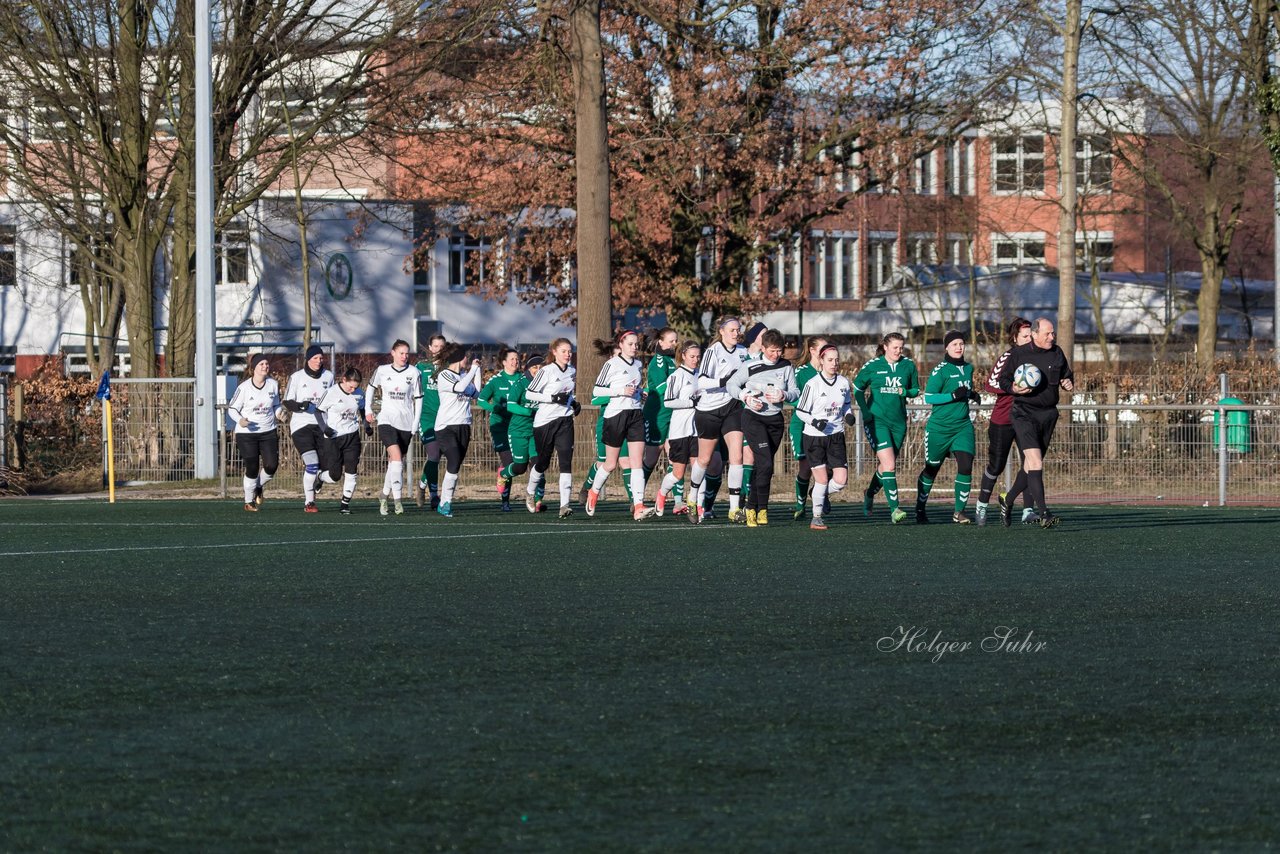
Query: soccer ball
column 1027, row 376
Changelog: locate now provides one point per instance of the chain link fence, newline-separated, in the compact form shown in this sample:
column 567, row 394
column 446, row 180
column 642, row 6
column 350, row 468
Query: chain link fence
column 1103, row 453
column 154, row 429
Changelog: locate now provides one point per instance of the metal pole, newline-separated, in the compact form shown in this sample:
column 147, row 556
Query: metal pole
column 857, row 443
column 206, row 450
column 1222, row 456
column 1275, row 318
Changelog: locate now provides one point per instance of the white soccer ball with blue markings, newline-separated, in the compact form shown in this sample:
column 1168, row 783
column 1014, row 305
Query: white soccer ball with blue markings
column 1027, row 376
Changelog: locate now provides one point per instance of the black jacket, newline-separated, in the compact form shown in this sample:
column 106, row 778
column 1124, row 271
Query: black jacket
column 1052, row 364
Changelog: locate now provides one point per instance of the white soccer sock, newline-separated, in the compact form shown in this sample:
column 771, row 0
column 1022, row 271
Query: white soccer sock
column 697, row 474
column 566, row 487
column 446, row 489
column 735, row 487
column 325, row 477
column 263, row 478
column 637, row 486
column 702, row 493
column 391, row 483
column 602, row 475
column 668, row 483
column 834, row 486
column 250, row 487
column 819, row 494
column 535, row 478
column 309, row 487
column 348, row 485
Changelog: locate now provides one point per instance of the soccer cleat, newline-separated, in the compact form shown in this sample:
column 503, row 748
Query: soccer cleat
column 1006, row 512
column 310, row 507
column 980, row 514
column 1030, row 516
column 252, row 508
column 399, row 507
column 762, row 517
column 922, row 518
column 565, row 511
column 679, row 508
column 817, row 524
column 382, row 505
column 868, row 501
column 506, row 505
column 898, row 516
column 420, row 495
column 694, row 514
column 708, row 513
column 582, row 493
column 659, row 504
column 751, row 519
column 445, row 510
column 258, row 497
column 531, row 503
column 501, row 485
column 590, row 503
column 435, row 500
column 738, row 517
column 826, row 505
column 1048, row 520
column 640, row 513
column 797, row 512
column 961, row 519
column 345, row 509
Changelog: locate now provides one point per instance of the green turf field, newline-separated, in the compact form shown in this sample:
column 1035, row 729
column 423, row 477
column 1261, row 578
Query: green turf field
column 184, row 675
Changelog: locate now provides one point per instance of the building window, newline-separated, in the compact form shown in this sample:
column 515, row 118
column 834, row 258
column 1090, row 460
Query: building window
column 959, row 250
column 833, row 266
column 922, row 174
column 1019, row 164
column 8, row 256
column 958, row 167
column 922, row 249
column 882, row 259
column 779, row 268
column 233, row 254
column 466, row 261
column 1019, row 251
column 704, row 261
column 83, row 263
column 422, row 255
column 1093, row 164
column 1095, row 249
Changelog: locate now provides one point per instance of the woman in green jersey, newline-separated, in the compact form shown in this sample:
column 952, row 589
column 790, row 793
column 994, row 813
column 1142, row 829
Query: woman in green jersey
column 427, row 425
column 949, row 430
column 494, row 399
column 881, row 389
column 657, row 418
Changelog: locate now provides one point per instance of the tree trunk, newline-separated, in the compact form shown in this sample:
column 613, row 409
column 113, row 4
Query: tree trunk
column 1211, row 276
column 595, row 306
column 1067, row 177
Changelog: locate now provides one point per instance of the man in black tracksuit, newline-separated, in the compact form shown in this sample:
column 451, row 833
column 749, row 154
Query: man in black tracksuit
column 1035, row 412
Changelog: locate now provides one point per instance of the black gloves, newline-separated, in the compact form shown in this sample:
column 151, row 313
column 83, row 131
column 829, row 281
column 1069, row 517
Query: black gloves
column 820, row 423
column 577, row 408
column 500, row 405
column 330, row 433
column 561, row 397
column 368, row 429
column 962, row 393
column 851, row 418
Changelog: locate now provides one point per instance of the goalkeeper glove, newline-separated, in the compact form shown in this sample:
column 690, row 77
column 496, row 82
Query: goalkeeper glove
column 560, row 397
column 820, row 424
column 577, row 408
column 851, row 419
column 962, row 393
column 330, row 433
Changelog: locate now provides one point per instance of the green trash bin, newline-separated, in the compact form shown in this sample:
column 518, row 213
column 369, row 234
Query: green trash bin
column 1238, row 440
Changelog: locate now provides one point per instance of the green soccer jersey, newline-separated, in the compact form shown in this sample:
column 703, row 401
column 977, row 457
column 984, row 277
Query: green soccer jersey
column 948, row 414
column 498, row 388
column 882, row 389
column 803, row 375
column 519, row 409
column 655, row 383
column 430, row 397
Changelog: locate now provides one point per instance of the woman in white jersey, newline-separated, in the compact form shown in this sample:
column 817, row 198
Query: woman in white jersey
column 682, row 440
column 621, row 383
column 304, row 391
column 457, row 380
column 719, row 415
column 824, row 407
column 254, row 408
column 764, row 385
column 552, row 390
column 340, row 413
column 400, row 385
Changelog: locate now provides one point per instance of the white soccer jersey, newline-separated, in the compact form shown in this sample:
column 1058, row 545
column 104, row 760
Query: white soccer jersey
column 718, row 364
column 401, row 396
column 612, row 382
column 341, row 410
column 824, row 398
column 757, row 377
column 305, row 388
column 456, row 393
column 681, row 386
column 260, row 405
column 550, row 381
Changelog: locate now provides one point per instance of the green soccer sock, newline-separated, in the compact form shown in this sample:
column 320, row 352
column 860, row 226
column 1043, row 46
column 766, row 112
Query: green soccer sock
column 746, row 481
column 889, row 480
column 876, row 484
column 713, row 487
column 924, row 485
column 802, row 491
column 431, row 471
column 677, row 491
column 964, row 483
column 626, row 483
column 591, row 477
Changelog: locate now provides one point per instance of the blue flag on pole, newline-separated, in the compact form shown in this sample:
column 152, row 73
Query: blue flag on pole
column 104, row 386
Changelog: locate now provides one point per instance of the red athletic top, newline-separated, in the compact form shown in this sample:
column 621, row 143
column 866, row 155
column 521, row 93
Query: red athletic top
column 1001, row 414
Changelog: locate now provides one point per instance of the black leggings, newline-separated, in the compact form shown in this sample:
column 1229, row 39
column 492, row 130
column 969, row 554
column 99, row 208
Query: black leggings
column 258, row 448
column 556, row 438
column 964, row 465
column 454, row 441
column 764, row 436
column 1000, row 441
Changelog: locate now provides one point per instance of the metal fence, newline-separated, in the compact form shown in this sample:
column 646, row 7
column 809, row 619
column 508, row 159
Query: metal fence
column 4, row 422
column 1100, row 453
column 154, row 429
